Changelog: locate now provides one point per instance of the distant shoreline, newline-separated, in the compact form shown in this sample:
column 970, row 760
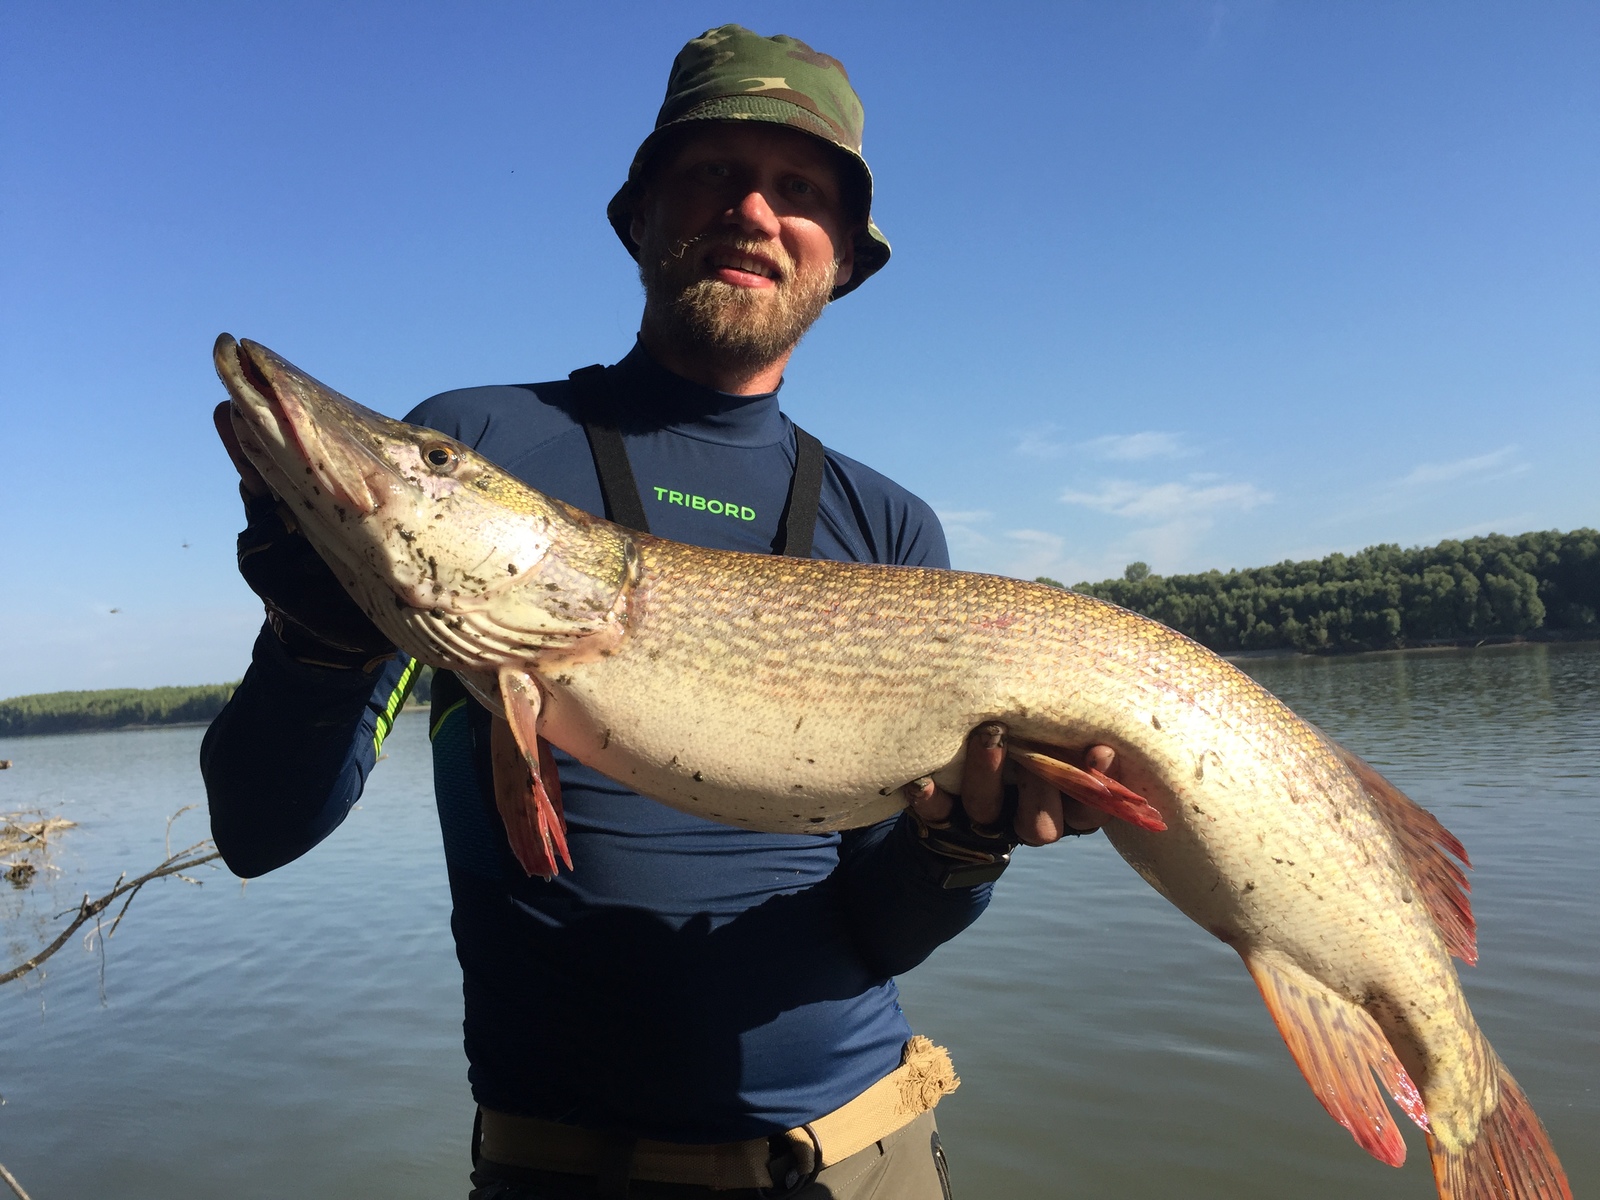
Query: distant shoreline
column 121, row 709
column 1534, row 638
column 112, row 708
column 408, row 710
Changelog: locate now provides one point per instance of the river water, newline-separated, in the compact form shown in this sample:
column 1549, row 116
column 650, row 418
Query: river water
column 299, row 1036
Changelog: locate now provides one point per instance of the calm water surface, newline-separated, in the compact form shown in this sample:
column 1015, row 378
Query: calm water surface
column 300, row 1036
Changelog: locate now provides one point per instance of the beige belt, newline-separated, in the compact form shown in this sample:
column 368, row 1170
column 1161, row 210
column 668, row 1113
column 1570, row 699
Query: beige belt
column 900, row 1097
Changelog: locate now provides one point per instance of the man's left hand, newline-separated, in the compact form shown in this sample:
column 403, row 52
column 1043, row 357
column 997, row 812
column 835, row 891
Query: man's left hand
column 1044, row 815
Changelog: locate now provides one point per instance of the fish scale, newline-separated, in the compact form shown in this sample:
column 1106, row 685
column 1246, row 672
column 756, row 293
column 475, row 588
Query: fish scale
column 796, row 696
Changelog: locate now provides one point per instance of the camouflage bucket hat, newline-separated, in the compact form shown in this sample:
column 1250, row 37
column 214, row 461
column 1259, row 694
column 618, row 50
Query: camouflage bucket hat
column 732, row 74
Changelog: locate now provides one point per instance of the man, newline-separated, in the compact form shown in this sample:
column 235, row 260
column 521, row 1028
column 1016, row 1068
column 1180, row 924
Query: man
column 695, row 1010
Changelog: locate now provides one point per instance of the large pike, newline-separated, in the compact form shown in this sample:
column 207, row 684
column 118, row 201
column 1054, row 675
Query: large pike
column 799, row 696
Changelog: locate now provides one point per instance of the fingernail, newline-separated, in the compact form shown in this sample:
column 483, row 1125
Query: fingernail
column 991, row 736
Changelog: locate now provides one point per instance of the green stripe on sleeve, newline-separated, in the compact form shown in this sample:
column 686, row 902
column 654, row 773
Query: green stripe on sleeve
column 445, row 716
column 397, row 698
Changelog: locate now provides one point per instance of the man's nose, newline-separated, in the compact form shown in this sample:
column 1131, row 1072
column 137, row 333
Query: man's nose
column 753, row 214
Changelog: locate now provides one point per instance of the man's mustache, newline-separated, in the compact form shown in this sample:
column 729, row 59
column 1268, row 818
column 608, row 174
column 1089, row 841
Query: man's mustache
column 680, row 248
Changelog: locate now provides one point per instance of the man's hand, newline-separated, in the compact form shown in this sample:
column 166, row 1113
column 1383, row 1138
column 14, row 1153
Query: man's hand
column 251, row 485
column 306, row 606
column 1044, row 815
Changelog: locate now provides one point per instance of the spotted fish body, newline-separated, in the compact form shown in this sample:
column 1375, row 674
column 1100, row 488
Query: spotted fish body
column 799, row 696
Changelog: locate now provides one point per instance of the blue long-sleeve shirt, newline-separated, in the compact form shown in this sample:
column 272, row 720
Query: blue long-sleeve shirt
column 687, row 981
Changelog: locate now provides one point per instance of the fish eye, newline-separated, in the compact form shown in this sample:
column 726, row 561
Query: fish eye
column 440, row 458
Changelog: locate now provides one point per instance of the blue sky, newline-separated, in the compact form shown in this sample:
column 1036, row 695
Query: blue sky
column 1208, row 285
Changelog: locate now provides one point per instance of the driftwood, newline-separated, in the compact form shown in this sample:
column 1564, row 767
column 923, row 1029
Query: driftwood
column 11, row 1182
column 25, row 836
column 125, row 889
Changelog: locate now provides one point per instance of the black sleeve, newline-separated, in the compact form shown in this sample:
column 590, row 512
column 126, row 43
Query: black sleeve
column 898, row 909
column 287, row 758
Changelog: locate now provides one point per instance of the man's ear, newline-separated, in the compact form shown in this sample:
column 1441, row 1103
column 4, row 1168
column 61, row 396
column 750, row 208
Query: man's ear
column 637, row 224
column 847, row 261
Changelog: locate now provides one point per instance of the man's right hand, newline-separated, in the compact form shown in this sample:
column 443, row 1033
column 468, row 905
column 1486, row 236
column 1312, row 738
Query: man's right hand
column 306, row 606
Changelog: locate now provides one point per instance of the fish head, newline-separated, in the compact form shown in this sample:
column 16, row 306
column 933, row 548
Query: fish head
column 459, row 562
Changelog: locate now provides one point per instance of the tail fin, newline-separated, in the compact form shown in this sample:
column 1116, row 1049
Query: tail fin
column 1511, row 1160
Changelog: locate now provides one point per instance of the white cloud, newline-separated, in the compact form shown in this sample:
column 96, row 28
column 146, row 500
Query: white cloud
column 1138, row 447
column 962, row 533
column 1166, row 524
column 1507, row 525
column 1171, row 520
column 1050, row 441
column 1168, row 501
column 1044, row 442
column 1037, row 553
column 1499, row 462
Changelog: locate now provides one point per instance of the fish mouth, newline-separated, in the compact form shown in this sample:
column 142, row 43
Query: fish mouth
column 270, row 405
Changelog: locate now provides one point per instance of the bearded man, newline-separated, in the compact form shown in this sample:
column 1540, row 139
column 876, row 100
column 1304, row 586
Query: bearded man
column 695, row 1010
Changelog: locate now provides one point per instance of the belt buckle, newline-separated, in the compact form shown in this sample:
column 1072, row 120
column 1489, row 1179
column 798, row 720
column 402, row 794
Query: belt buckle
column 785, row 1167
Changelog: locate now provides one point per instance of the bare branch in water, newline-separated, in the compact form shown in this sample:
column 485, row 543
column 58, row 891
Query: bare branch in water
column 90, row 910
column 11, row 1182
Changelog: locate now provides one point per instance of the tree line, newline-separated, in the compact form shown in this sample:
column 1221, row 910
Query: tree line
column 119, row 708
column 1384, row 597
column 113, row 708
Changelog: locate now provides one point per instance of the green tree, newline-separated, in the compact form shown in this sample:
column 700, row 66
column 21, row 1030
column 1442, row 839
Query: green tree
column 1383, row 596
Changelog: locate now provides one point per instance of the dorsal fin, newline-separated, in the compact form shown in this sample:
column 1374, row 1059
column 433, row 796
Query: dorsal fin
column 1427, row 846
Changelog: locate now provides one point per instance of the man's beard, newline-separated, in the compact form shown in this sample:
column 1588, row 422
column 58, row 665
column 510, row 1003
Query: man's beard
column 734, row 327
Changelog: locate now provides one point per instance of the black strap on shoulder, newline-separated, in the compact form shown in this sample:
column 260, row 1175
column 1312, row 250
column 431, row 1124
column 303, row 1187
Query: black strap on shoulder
column 796, row 527
column 799, row 521
column 617, row 485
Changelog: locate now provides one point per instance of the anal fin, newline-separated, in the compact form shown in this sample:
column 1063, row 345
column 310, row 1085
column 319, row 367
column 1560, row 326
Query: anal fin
column 1097, row 790
column 1512, row 1158
column 1339, row 1048
column 527, row 791
column 1427, row 846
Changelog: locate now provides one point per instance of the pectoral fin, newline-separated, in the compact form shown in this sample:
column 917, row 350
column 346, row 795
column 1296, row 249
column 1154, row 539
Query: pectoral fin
column 527, row 790
column 1339, row 1048
column 1098, row 791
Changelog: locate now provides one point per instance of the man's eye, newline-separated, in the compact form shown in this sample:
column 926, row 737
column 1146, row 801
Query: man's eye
column 716, row 170
column 802, row 187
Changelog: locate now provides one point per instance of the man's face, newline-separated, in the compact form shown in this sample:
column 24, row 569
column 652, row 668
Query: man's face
column 743, row 234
